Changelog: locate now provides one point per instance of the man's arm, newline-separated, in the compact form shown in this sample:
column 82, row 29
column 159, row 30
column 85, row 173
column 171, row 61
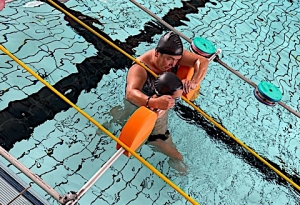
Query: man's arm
column 200, row 65
column 136, row 78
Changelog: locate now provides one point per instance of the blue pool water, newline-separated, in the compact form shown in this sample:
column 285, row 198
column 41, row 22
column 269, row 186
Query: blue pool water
column 260, row 39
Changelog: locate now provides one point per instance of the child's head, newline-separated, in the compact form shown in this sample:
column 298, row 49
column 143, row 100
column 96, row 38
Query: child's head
column 168, row 84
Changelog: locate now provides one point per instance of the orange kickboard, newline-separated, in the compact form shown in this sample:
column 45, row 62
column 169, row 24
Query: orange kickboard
column 185, row 72
column 137, row 129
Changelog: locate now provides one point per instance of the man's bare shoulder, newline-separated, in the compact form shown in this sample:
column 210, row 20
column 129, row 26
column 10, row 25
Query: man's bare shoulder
column 137, row 70
column 146, row 56
column 144, row 59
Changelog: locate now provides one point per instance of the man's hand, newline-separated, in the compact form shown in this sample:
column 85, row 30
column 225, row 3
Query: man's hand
column 163, row 102
column 189, row 85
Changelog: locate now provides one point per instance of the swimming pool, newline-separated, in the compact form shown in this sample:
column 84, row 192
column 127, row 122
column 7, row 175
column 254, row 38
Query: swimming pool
column 258, row 38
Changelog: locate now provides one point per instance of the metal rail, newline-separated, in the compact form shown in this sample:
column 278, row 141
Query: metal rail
column 31, row 175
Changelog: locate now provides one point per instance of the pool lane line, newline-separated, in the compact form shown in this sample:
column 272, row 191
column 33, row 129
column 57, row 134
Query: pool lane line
column 142, row 160
column 185, row 99
column 297, row 114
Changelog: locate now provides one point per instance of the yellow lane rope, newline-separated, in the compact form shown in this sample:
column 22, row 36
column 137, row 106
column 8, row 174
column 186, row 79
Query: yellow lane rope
column 142, row 160
column 185, row 99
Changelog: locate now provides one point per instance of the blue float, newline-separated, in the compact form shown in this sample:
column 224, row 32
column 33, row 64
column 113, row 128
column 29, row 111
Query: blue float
column 203, row 47
column 267, row 93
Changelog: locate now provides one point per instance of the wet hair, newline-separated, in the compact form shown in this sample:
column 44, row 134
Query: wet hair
column 167, row 83
column 171, row 44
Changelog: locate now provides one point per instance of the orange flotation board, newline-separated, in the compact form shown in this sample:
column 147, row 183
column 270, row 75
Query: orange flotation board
column 185, row 72
column 137, row 129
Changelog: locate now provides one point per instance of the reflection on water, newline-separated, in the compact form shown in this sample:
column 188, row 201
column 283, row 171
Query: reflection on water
column 53, row 140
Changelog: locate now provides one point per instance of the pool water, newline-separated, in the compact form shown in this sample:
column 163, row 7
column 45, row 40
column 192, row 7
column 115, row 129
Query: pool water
column 260, row 39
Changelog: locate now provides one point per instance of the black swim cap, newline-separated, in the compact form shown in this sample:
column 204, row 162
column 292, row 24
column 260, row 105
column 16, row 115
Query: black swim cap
column 167, row 83
column 170, row 44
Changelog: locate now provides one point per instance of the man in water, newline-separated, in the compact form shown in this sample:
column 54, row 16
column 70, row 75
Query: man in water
column 140, row 88
column 166, row 84
column 166, row 57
